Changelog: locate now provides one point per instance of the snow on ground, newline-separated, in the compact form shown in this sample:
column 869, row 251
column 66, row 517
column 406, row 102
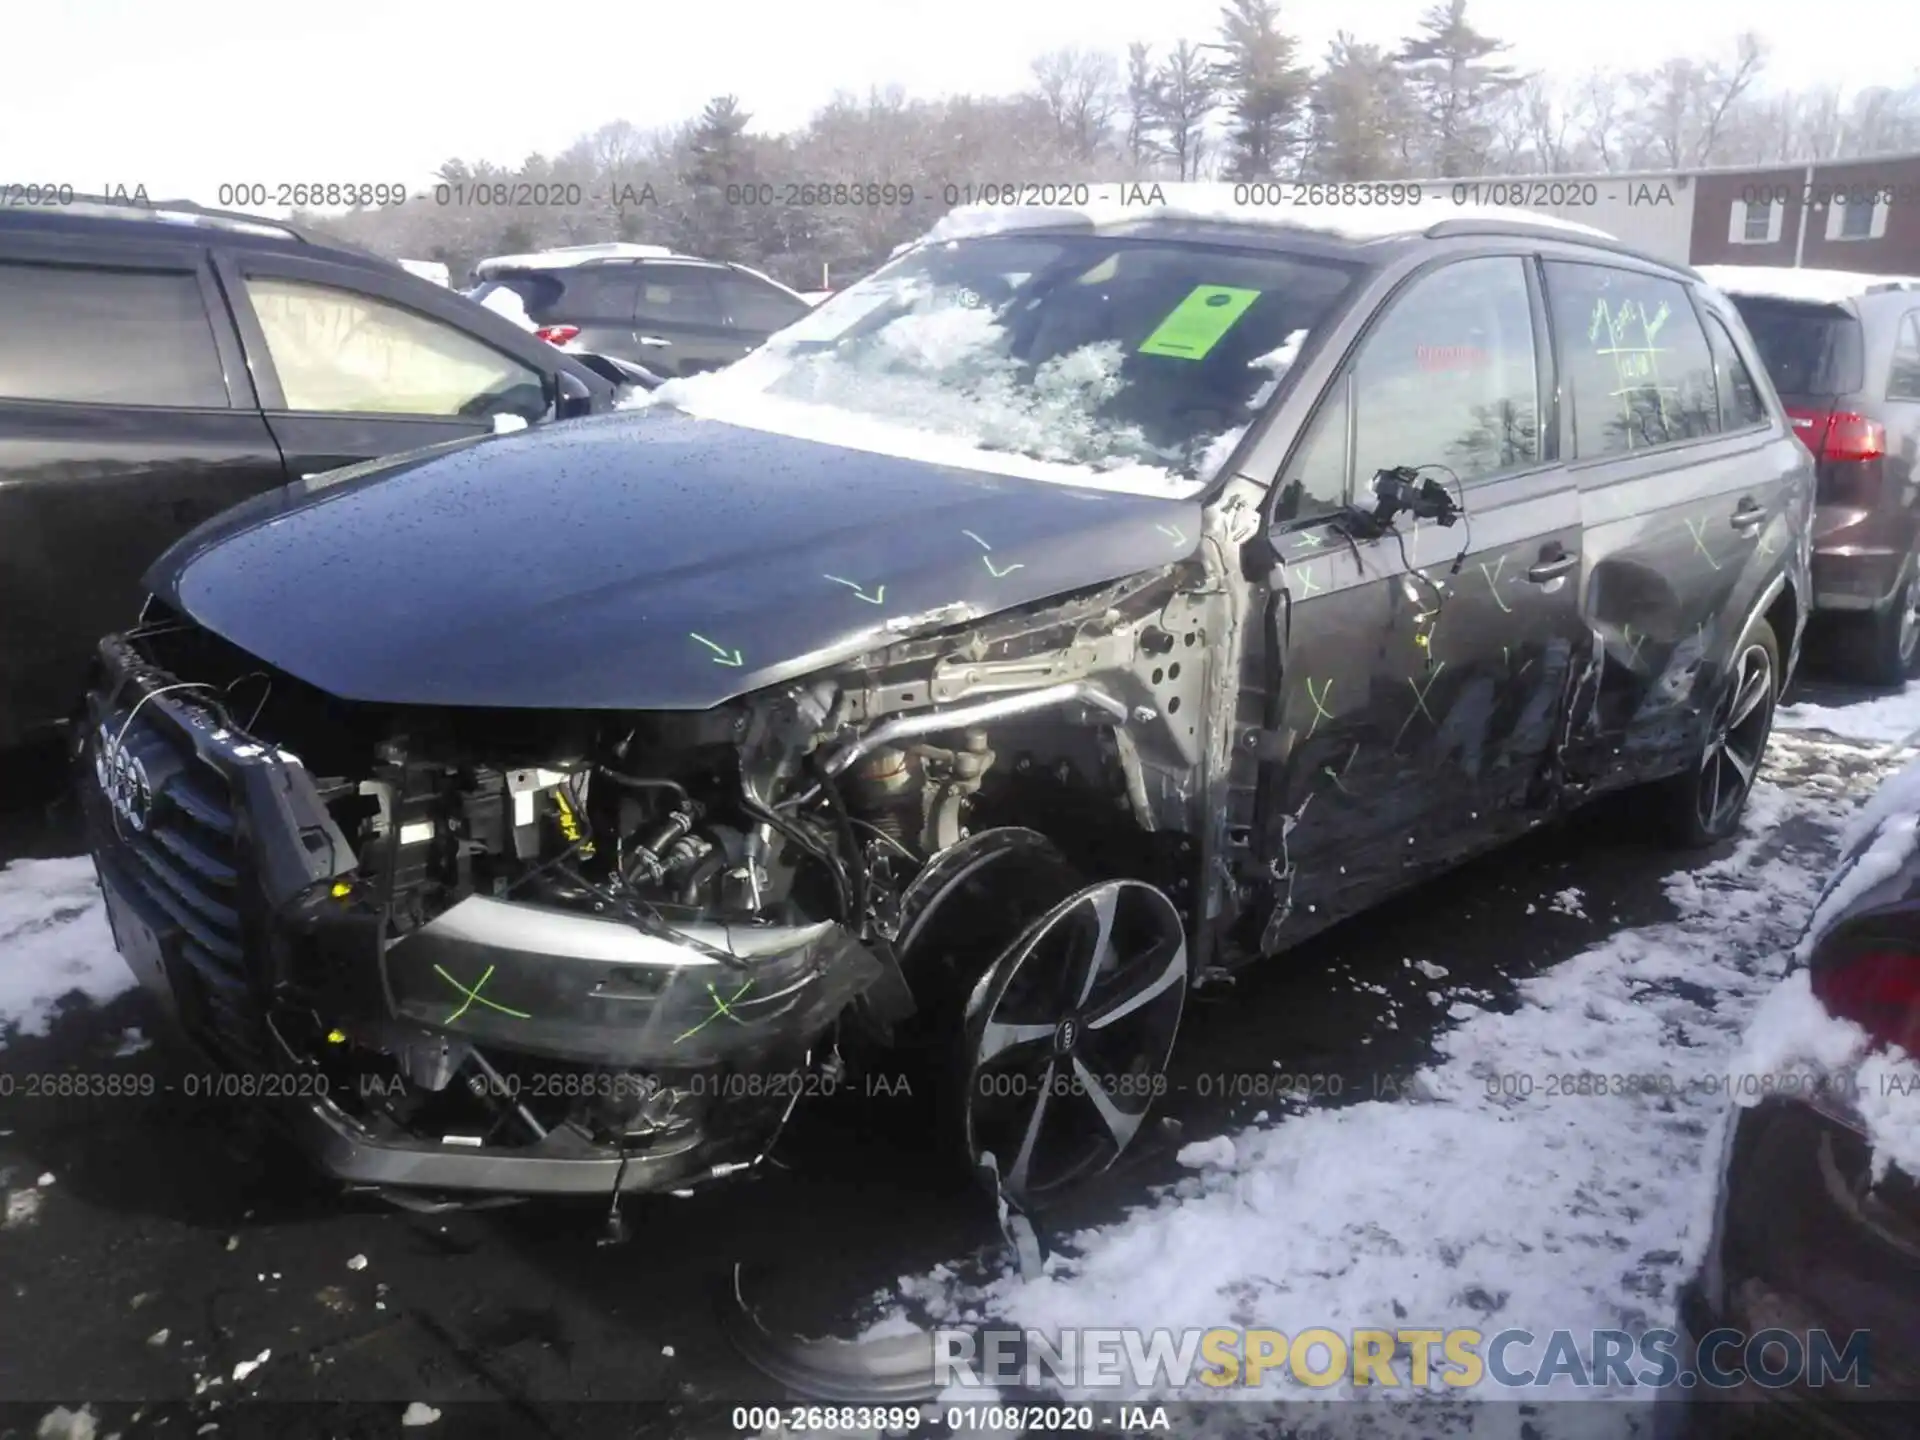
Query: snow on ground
column 1500, row 1195
column 54, row 941
column 1887, row 719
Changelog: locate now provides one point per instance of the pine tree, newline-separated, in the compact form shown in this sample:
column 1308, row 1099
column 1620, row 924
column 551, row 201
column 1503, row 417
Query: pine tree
column 1360, row 113
column 1185, row 95
column 1454, row 78
column 1263, row 88
column 718, row 154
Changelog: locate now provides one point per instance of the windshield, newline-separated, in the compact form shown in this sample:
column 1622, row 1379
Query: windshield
column 1121, row 363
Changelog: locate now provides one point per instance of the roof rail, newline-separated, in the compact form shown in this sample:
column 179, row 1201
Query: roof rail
column 1880, row 286
column 566, row 256
column 177, row 212
column 1546, row 228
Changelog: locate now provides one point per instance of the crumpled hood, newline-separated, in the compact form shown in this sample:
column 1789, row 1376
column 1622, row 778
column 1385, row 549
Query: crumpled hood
column 642, row 560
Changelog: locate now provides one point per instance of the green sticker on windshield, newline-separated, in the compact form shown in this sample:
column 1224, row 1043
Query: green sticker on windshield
column 1198, row 322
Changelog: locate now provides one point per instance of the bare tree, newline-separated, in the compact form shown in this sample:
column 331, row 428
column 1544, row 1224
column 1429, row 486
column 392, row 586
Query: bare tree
column 1143, row 108
column 1186, row 93
column 1684, row 103
column 1081, row 90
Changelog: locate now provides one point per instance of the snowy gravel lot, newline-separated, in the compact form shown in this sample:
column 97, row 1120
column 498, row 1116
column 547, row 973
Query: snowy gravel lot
column 153, row 1260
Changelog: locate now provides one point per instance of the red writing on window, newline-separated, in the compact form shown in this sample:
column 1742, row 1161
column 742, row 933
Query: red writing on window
column 1450, row 357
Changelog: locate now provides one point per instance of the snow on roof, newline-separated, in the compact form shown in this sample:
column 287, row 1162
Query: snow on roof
column 1820, row 287
column 566, row 255
column 1214, row 200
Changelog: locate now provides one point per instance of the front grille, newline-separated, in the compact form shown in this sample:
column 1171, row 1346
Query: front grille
column 185, row 859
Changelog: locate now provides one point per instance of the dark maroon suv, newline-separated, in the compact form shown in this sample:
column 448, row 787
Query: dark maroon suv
column 1844, row 353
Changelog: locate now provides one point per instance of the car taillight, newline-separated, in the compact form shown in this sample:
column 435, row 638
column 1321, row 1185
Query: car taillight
column 557, row 334
column 1879, row 990
column 1839, row 434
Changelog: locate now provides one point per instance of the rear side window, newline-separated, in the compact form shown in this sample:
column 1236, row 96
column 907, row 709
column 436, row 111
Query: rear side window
column 1903, row 380
column 678, row 293
column 755, row 305
column 1636, row 364
column 341, row 352
column 602, row 293
column 1740, row 403
column 106, row 337
column 1814, row 351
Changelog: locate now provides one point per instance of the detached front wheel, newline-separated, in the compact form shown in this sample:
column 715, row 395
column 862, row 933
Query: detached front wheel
column 1705, row 802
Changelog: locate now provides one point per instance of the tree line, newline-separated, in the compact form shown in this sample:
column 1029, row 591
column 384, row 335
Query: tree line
column 819, row 204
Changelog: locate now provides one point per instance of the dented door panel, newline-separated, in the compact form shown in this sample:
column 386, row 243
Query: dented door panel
column 1492, row 643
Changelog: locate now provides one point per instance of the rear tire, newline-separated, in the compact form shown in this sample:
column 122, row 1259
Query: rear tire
column 1880, row 648
column 1702, row 805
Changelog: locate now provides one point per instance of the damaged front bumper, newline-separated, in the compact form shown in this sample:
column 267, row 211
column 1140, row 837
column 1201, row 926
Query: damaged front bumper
column 501, row 1048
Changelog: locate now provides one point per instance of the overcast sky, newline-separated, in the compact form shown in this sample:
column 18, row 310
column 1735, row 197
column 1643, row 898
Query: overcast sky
column 183, row 95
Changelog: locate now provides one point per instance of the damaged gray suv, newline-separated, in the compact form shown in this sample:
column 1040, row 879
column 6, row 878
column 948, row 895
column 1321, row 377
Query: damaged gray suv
column 1082, row 606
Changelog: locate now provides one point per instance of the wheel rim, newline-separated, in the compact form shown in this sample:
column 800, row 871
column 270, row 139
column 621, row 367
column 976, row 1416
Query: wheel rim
column 1069, row 1033
column 1909, row 617
column 1742, row 722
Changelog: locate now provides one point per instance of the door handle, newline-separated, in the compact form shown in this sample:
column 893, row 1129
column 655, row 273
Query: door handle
column 1748, row 516
column 653, row 340
column 1553, row 567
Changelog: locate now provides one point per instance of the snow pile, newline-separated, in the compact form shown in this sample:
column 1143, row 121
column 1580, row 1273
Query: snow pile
column 54, row 942
column 1215, row 200
column 504, row 300
column 1795, row 1043
column 1820, row 287
column 1540, row 1204
column 1887, row 719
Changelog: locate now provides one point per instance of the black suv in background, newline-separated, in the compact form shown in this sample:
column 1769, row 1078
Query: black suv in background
column 1844, row 353
column 674, row 314
column 159, row 364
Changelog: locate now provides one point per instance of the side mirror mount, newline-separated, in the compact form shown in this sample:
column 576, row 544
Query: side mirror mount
column 571, row 396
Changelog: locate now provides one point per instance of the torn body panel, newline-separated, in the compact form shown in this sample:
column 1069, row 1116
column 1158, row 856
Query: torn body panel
column 531, row 944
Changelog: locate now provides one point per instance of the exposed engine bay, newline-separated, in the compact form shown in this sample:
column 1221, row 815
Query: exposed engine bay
column 641, row 938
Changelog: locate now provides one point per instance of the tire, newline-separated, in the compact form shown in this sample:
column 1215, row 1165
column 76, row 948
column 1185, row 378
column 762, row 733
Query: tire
column 1880, row 648
column 1702, row 805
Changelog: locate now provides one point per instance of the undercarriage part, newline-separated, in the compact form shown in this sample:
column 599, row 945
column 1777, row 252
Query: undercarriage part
column 969, row 903
column 1068, row 1036
column 983, row 712
column 893, row 1369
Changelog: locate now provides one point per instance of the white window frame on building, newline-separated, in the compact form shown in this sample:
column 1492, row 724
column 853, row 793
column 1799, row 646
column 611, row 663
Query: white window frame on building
column 1740, row 228
column 1843, row 206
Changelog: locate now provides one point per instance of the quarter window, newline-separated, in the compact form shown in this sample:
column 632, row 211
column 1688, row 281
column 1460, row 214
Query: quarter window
column 1740, row 403
column 1448, row 378
column 755, row 305
column 341, row 352
column 677, row 294
column 107, row 337
column 1903, row 381
column 1314, row 481
column 1637, row 368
